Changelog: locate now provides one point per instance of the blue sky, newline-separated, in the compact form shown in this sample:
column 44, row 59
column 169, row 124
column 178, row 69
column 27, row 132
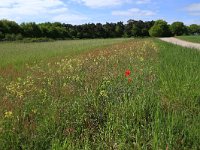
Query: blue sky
column 88, row 11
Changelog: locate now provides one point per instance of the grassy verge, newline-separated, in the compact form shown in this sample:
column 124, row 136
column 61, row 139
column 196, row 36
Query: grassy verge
column 179, row 82
column 141, row 94
column 194, row 39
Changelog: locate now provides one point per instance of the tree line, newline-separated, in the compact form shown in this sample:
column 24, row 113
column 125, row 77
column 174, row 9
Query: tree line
column 10, row 30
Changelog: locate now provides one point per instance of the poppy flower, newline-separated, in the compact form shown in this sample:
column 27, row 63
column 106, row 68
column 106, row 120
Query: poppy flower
column 127, row 73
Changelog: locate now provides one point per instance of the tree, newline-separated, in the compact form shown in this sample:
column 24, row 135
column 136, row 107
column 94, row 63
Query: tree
column 194, row 29
column 160, row 29
column 128, row 28
column 31, row 30
column 110, row 29
column 119, row 29
column 146, row 27
column 1, row 36
column 136, row 31
column 99, row 31
column 9, row 27
column 178, row 28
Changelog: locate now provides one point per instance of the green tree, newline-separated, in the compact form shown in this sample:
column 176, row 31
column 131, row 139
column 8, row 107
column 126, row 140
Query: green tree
column 178, row 28
column 31, row 30
column 194, row 29
column 9, row 27
column 110, row 29
column 1, row 36
column 136, row 31
column 99, row 31
column 119, row 29
column 160, row 29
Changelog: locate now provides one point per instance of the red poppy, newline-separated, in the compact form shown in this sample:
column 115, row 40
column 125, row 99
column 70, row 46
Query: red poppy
column 127, row 73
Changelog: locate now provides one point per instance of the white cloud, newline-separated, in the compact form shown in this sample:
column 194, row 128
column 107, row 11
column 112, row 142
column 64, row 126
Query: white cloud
column 143, row 1
column 36, row 10
column 133, row 12
column 72, row 18
column 101, row 3
column 193, row 9
column 108, row 3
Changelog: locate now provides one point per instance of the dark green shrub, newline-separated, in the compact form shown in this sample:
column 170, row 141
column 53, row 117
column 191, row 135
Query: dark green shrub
column 29, row 40
column 10, row 37
column 19, row 37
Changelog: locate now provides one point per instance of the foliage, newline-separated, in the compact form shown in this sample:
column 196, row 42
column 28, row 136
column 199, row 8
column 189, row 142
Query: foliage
column 61, row 31
column 137, row 28
column 13, row 37
column 58, row 30
column 9, row 27
column 160, row 29
column 194, row 29
column 1, row 36
column 178, row 28
column 30, row 30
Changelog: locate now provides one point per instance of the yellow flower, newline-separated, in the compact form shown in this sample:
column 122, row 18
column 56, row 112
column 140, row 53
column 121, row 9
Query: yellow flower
column 141, row 59
column 103, row 93
column 8, row 114
column 34, row 111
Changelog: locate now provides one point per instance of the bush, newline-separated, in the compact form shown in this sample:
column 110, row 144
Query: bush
column 29, row 40
column 13, row 37
column 10, row 37
column 19, row 37
column 160, row 29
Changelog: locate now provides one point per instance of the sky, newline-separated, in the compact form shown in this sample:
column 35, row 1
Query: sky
column 95, row 11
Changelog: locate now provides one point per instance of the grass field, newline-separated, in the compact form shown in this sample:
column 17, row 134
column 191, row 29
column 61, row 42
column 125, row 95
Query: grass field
column 195, row 39
column 18, row 54
column 125, row 94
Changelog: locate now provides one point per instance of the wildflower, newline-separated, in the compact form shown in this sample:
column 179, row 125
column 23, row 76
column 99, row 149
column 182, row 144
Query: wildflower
column 34, row 111
column 141, row 59
column 8, row 114
column 103, row 93
column 127, row 73
column 64, row 84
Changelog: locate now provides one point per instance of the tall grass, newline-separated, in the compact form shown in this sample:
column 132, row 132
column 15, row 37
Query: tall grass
column 139, row 94
column 179, row 81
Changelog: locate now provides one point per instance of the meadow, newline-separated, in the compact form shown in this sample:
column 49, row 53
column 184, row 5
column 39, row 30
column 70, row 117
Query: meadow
column 99, row 94
column 18, row 54
column 194, row 38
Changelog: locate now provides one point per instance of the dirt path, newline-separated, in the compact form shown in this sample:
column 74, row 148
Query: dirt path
column 181, row 42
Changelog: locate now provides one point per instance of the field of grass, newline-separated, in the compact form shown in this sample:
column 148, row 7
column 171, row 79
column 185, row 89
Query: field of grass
column 18, row 54
column 136, row 94
column 195, row 39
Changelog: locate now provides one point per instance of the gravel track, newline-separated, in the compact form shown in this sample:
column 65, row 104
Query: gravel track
column 181, row 42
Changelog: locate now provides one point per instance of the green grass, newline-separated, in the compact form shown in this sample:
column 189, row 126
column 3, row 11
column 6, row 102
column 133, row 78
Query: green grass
column 18, row 54
column 195, row 39
column 85, row 101
column 179, row 82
